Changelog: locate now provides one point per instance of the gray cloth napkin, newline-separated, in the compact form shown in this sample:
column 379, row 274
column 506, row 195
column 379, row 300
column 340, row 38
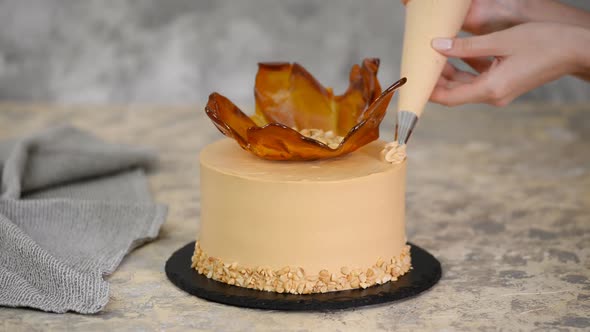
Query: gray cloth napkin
column 71, row 207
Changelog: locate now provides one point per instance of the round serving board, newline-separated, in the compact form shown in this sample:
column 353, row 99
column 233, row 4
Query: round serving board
column 426, row 271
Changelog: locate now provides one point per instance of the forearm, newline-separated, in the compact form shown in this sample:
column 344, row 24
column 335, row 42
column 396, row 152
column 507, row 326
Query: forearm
column 553, row 11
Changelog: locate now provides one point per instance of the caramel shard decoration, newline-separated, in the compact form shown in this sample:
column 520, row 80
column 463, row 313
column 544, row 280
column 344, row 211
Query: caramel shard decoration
column 289, row 99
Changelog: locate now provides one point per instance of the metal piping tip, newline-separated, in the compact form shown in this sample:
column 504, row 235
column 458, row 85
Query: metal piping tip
column 406, row 121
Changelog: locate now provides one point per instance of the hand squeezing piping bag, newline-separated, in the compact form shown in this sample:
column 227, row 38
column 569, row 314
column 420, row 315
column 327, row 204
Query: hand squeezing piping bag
column 422, row 65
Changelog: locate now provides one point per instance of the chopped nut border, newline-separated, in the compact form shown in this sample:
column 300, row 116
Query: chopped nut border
column 294, row 280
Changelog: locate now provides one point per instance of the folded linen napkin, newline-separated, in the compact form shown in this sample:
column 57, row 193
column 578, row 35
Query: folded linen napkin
column 71, row 207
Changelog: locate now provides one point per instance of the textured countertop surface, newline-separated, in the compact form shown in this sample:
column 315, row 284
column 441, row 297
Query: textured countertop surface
column 500, row 196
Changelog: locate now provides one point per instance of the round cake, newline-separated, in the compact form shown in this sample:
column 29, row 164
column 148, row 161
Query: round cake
column 301, row 227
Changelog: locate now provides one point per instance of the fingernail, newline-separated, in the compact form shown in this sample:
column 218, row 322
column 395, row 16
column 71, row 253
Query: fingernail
column 442, row 44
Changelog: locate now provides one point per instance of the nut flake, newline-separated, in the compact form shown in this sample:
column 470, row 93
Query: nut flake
column 327, row 137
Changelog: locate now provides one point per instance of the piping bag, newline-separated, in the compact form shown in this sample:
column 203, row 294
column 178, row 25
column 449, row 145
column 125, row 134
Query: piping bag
column 421, row 64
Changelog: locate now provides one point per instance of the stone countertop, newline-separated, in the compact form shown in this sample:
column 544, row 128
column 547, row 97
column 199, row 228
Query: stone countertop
column 503, row 203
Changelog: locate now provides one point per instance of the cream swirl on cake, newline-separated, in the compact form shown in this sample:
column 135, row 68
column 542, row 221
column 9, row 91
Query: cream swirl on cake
column 394, row 153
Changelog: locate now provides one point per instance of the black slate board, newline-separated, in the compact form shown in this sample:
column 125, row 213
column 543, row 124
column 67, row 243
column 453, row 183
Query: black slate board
column 425, row 273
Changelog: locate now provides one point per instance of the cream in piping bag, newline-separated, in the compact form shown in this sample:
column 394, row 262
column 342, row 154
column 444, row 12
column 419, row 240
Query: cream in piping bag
column 422, row 65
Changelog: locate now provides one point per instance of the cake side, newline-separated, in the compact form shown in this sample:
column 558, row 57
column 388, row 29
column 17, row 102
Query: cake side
column 301, row 227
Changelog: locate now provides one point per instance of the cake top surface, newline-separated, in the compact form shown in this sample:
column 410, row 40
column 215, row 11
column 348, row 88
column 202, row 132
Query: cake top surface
column 227, row 157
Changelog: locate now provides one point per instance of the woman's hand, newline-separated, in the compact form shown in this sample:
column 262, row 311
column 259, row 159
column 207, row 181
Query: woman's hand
column 522, row 58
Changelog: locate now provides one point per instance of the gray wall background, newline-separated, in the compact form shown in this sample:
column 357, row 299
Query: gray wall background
column 178, row 51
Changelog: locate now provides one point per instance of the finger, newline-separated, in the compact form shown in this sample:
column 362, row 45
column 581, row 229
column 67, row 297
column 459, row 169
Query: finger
column 511, row 77
column 447, row 84
column 442, row 82
column 458, row 93
column 506, row 79
column 469, row 47
column 453, row 84
column 450, row 72
column 463, row 77
column 480, row 65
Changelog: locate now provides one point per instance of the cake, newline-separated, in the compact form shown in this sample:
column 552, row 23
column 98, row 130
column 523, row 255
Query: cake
column 302, row 197
column 301, row 228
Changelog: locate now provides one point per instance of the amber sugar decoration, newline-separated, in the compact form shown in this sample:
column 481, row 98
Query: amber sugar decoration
column 289, row 99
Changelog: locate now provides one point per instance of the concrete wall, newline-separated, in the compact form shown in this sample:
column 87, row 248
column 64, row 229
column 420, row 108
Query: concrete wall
column 178, row 51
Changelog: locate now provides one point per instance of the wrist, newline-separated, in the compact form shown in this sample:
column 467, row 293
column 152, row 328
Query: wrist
column 579, row 39
column 551, row 11
column 527, row 10
column 534, row 10
column 518, row 11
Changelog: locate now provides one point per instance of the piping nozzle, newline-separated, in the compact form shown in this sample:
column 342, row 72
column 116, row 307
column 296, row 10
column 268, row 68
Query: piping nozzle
column 406, row 121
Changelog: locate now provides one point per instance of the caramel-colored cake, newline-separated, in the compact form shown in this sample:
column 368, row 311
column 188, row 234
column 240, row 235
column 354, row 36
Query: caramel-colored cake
column 301, row 227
